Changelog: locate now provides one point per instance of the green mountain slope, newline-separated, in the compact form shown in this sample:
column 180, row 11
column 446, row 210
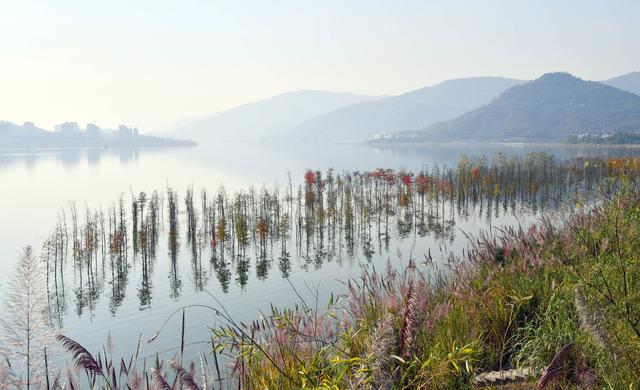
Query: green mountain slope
column 548, row 109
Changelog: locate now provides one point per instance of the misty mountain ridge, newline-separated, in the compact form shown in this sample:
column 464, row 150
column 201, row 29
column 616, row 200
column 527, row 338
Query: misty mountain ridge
column 10, row 129
column 549, row 109
column 315, row 116
column 629, row 82
column 437, row 110
column 257, row 120
column 421, row 107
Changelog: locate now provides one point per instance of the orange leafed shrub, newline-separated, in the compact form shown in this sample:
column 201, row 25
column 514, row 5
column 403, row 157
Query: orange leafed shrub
column 474, row 172
column 261, row 228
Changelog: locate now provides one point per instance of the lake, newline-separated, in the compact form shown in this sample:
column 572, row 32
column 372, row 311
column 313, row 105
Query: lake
column 37, row 185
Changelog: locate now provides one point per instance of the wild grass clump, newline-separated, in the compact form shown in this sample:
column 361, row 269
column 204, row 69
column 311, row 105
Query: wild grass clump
column 561, row 299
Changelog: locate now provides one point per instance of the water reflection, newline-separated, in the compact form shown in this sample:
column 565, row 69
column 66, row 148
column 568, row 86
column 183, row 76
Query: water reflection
column 94, row 156
column 274, row 232
column 69, row 158
column 285, row 157
column 128, row 155
column 305, row 242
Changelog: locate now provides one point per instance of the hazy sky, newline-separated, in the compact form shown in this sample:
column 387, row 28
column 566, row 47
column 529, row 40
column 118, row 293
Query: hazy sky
column 147, row 61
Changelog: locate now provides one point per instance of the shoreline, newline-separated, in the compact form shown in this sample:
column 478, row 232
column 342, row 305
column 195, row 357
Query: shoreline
column 509, row 144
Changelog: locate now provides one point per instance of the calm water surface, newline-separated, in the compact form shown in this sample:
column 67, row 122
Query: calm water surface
column 36, row 185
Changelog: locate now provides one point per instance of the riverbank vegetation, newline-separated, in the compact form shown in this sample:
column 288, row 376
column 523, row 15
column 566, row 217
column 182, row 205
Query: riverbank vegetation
column 554, row 303
column 559, row 302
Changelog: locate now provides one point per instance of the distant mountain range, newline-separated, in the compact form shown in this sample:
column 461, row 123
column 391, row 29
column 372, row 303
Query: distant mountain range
column 549, row 109
column 265, row 118
column 414, row 109
column 552, row 108
column 629, row 82
column 317, row 116
column 13, row 130
column 338, row 117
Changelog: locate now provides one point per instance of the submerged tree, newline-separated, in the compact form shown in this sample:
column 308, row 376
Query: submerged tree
column 26, row 325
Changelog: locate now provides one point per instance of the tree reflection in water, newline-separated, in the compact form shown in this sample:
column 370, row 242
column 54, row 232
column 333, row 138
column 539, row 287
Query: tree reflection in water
column 329, row 217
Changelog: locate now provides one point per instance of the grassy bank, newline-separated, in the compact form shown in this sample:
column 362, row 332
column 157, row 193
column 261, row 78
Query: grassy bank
column 560, row 300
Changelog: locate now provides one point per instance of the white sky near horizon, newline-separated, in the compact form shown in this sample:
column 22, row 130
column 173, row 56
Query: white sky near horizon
column 147, row 62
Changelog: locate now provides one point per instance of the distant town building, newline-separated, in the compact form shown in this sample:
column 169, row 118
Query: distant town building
column 92, row 130
column 127, row 132
column 124, row 131
column 67, row 128
column 384, row 136
column 28, row 126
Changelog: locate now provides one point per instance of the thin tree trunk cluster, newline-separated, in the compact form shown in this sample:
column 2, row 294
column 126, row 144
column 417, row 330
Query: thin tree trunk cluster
column 329, row 216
